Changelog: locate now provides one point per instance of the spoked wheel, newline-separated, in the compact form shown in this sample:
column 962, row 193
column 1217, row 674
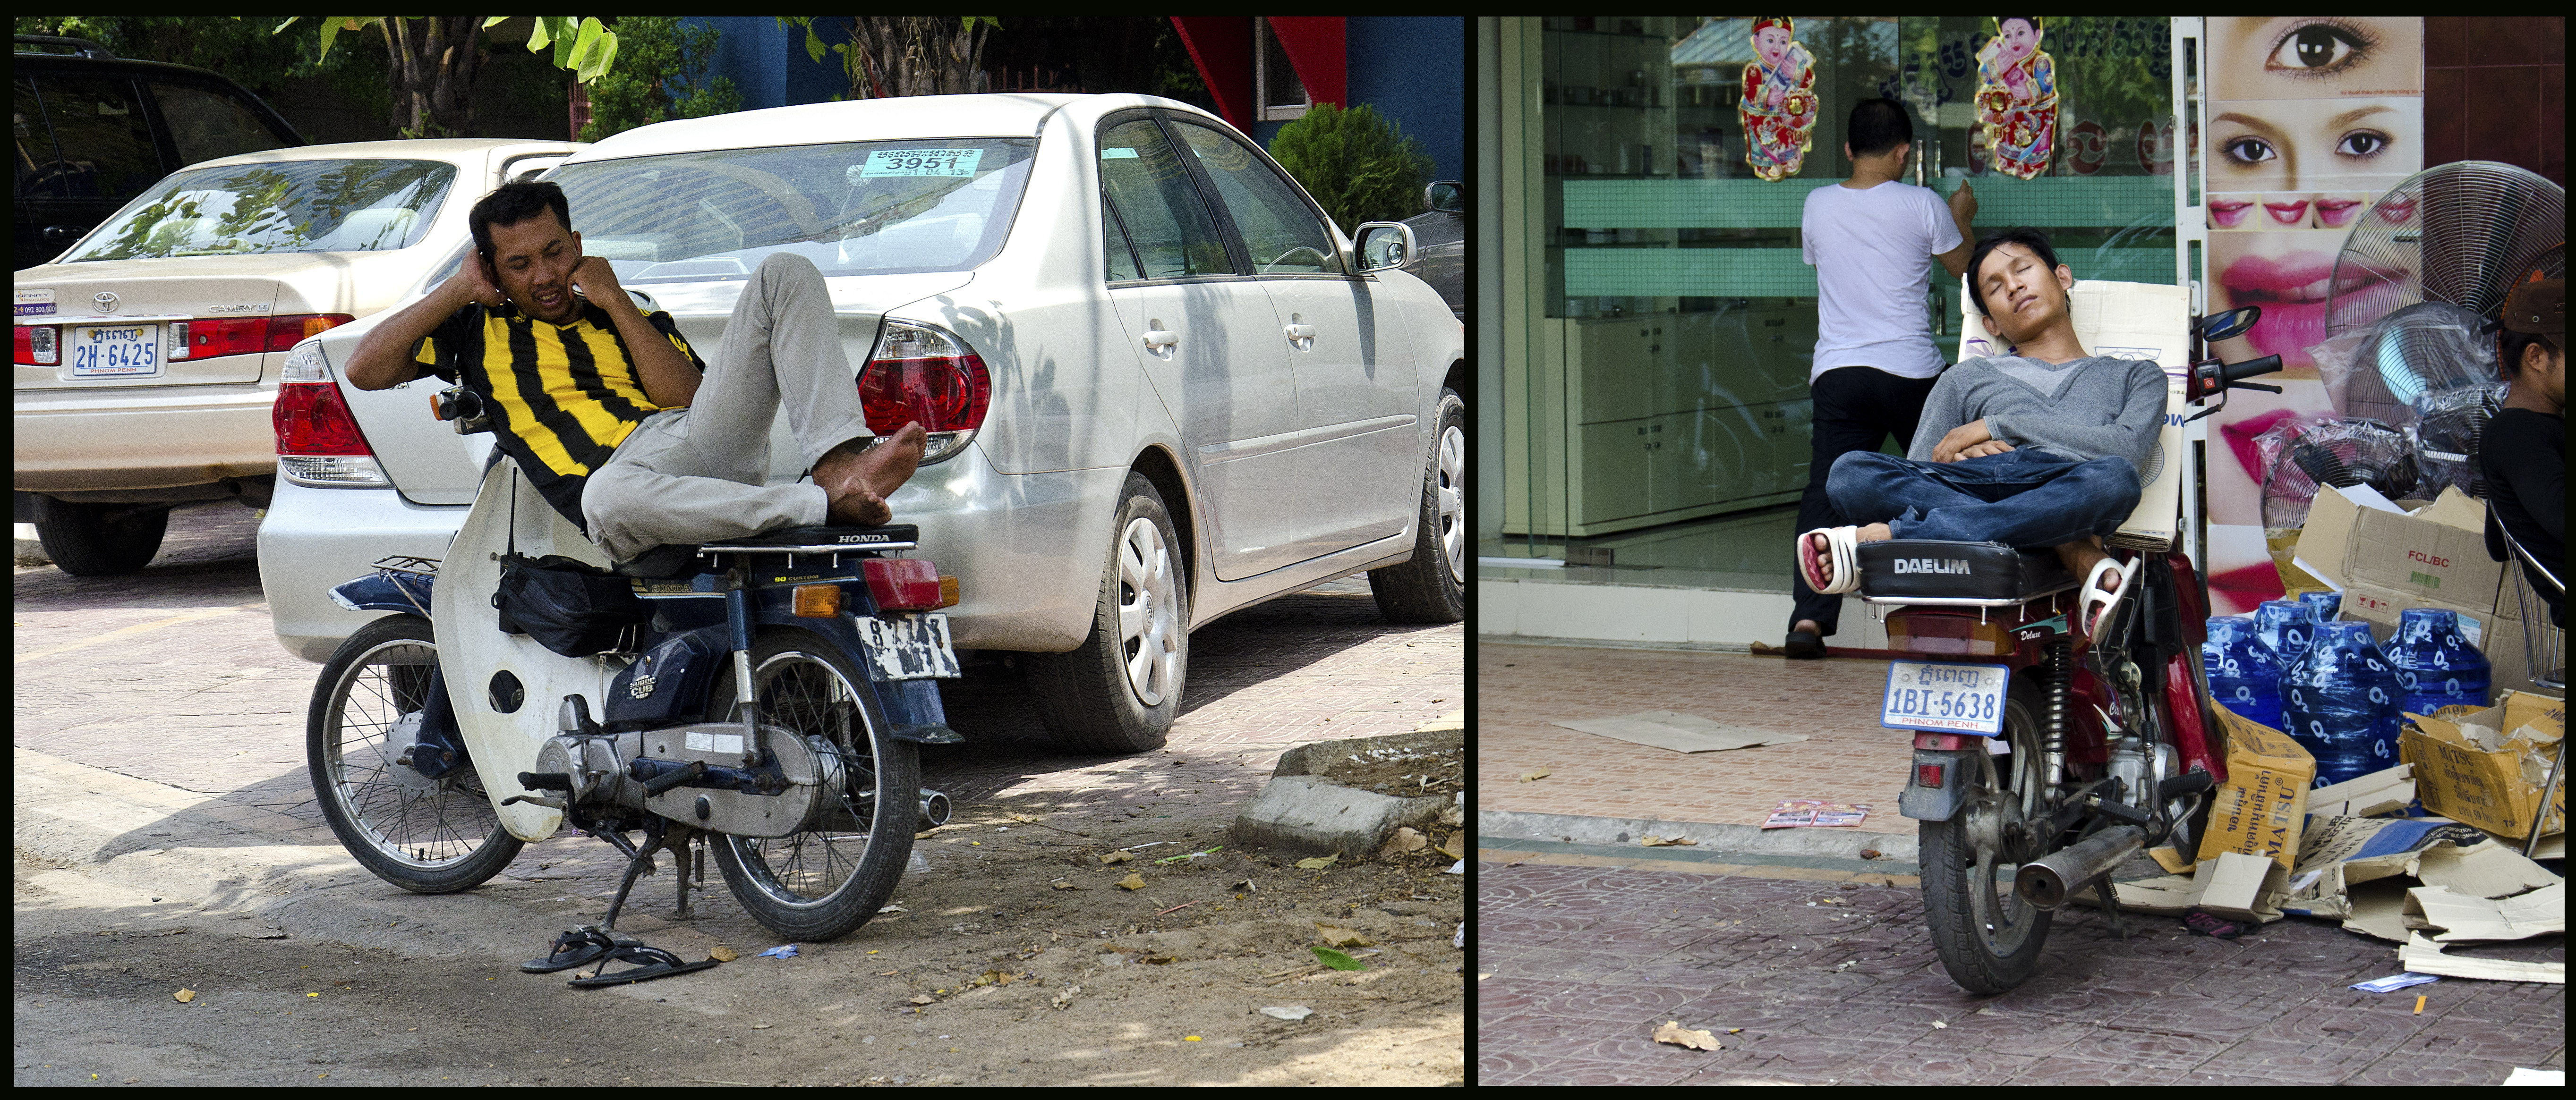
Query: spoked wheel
column 1988, row 937
column 823, row 883
column 429, row 836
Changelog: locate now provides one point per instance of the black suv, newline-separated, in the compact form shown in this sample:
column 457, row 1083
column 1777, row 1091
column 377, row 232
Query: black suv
column 94, row 130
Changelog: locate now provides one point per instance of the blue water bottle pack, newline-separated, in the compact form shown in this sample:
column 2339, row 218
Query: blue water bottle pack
column 2436, row 666
column 2340, row 701
column 2244, row 675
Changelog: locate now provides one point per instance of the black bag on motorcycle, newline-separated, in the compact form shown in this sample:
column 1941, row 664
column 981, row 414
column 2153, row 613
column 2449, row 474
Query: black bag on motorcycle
column 567, row 606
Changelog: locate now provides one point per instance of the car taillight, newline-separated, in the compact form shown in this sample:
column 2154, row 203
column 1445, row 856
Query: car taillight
column 38, row 346
column 246, row 335
column 318, row 441
column 925, row 373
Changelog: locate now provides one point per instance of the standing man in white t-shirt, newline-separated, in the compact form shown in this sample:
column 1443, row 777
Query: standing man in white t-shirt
column 1872, row 242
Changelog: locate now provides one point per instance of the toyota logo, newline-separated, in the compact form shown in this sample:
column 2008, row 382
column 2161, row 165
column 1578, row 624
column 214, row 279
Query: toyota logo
column 105, row 300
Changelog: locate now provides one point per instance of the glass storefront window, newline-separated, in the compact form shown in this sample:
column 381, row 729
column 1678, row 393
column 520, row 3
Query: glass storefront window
column 1656, row 426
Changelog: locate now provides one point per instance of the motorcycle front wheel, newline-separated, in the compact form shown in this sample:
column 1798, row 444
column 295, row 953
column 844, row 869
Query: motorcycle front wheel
column 1988, row 938
column 823, row 883
column 428, row 836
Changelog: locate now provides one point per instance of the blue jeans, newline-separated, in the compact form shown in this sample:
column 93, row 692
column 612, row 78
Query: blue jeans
column 2027, row 499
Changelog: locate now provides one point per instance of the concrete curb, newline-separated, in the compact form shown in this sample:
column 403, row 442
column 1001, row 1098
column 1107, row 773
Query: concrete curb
column 199, row 851
column 1571, row 829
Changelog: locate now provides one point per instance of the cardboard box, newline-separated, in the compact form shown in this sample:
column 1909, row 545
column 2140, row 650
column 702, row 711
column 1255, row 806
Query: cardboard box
column 2437, row 556
column 2264, row 803
column 2389, row 790
column 2486, row 767
column 2337, row 854
column 2242, row 887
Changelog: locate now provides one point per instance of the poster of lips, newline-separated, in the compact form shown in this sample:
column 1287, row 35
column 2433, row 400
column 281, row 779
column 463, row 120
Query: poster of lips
column 2311, row 119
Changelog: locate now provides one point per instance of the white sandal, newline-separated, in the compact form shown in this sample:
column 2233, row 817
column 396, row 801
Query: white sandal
column 1842, row 557
column 2086, row 609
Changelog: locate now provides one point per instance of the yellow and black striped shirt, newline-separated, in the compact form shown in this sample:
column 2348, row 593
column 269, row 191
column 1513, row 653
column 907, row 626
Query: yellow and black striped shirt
column 561, row 397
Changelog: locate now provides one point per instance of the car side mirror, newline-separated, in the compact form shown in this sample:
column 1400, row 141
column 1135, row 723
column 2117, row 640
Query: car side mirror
column 2230, row 325
column 1384, row 245
column 1445, row 196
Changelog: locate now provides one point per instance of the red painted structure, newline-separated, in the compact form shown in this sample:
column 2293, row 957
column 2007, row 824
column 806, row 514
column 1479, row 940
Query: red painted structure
column 1221, row 46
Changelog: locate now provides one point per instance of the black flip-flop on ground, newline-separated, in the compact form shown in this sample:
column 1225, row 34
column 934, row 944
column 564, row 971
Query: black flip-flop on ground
column 576, row 948
column 1804, row 645
column 649, row 963
column 2212, row 925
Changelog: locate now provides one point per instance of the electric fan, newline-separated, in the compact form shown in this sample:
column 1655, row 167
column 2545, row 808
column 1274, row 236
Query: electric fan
column 2343, row 453
column 2448, row 425
column 2459, row 235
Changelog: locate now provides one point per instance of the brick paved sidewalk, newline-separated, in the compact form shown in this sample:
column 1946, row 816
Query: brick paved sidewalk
column 1586, row 961
column 1847, row 758
column 211, row 704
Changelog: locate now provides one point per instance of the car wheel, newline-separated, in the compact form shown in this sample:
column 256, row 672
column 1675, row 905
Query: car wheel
column 1432, row 587
column 1120, row 691
column 99, row 540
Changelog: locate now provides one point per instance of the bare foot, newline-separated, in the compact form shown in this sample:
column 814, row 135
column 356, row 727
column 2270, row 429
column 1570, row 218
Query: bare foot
column 858, row 508
column 888, row 463
column 2081, row 555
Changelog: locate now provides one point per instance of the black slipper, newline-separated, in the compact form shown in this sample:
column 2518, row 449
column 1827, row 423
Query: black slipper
column 1804, row 645
column 577, row 947
column 650, row 963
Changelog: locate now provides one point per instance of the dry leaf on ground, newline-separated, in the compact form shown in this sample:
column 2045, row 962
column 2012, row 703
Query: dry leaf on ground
column 1674, row 1033
column 1406, row 839
column 1533, row 777
column 723, row 954
column 923, row 999
column 1320, row 862
column 1133, row 882
column 184, row 996
column 1066, row 886
column 1122, row 855
column 1342, row 937
column 1669, row 842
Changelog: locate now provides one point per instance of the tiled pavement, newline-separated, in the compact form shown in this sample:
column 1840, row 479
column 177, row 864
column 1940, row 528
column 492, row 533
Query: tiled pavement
column 212, row 705
column 1847, row 757
column 1586, row 961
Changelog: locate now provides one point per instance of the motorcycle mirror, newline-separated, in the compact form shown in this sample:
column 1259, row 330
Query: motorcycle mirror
column 2230, row 325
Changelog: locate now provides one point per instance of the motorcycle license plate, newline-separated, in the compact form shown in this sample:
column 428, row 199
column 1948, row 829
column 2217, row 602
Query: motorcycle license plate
column 914, row 647
column 1934, row 695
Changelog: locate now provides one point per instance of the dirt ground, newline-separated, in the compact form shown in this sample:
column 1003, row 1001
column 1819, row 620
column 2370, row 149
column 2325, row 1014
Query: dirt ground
column 1035, row 968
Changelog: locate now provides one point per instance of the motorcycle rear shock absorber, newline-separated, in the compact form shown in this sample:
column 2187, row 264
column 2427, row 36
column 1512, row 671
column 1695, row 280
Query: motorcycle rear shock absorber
column 2059, row 708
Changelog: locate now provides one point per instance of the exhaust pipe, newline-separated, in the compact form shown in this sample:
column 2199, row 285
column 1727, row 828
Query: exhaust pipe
column 2046, row 881
column 934, row 809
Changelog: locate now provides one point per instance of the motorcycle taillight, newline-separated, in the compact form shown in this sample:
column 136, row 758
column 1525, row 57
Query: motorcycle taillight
column 902, row 584
column 926, row 374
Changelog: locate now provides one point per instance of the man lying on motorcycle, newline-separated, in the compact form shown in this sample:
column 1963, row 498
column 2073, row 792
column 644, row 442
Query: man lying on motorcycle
column 613, row 417
column 2039, row 448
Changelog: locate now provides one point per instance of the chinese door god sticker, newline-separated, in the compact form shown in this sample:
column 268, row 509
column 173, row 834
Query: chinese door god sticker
column 2017, row 97
column 1779, row 108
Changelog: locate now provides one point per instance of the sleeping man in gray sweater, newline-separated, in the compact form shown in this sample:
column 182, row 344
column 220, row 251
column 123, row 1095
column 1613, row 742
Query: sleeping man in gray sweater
column 2040, row 448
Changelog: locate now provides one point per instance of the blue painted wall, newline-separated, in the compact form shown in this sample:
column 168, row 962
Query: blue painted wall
column 1412, row 69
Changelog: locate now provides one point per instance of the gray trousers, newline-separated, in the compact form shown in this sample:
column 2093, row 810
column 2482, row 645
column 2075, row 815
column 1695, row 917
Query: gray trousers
column 701, row 473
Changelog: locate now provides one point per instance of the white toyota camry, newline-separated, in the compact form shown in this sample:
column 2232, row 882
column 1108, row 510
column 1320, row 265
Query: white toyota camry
column 1161, row 384
column 148, row 352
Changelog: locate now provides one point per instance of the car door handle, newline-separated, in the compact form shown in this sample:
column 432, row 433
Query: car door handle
column 63, row 234
column 1157, row 339
column 1301, row 336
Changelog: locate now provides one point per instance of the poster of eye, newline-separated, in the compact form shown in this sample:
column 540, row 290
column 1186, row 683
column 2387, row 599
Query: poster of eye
column 2312, row 119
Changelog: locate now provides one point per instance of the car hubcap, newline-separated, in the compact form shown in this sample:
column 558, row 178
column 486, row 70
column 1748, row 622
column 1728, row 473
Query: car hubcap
column 1452, row 491
column 1148, row 611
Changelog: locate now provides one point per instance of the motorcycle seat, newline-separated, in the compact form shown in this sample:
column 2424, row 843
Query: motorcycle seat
column 679, row 559
column 1932, row 571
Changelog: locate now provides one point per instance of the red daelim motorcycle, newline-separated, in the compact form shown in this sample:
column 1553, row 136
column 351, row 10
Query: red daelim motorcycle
column 2041, row 763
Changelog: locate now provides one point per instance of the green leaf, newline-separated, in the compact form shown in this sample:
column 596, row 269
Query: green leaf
column 290, row 21
column 813, row 45
column 492, row 21
column 596, row 48
column 1336, row 959
column 565, row 39
column 543, row 33
column 330, row 30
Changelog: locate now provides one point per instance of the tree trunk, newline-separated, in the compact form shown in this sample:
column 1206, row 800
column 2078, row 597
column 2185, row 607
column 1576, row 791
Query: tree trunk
column 917, row 55
column 435, row 60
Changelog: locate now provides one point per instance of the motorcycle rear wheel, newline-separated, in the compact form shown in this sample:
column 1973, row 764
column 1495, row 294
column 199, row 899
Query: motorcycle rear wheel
column 426, row 836
column 1988, row 938
column 823, row 883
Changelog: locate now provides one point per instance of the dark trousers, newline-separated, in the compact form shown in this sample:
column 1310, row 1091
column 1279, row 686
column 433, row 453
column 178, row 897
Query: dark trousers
column 1856, row 408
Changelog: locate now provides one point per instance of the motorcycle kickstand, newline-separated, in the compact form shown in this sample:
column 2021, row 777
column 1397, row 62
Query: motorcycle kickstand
column 690, row 842
column 2110, row 896
column 640, row 865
